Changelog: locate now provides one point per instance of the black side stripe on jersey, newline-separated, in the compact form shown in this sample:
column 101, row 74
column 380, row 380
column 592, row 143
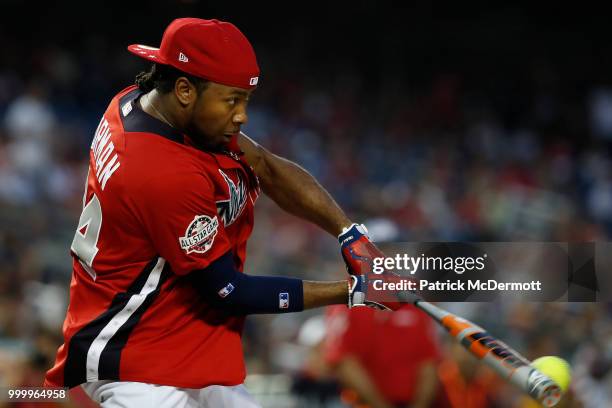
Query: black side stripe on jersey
column 80, row 345
column 111, row 355
column 136, row 120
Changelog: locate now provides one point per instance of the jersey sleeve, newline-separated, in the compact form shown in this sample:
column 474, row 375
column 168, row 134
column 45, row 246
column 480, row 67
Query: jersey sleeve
column 179, row 215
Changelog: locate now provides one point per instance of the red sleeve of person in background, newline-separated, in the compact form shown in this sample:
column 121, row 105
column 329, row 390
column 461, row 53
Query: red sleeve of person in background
column 391, row 346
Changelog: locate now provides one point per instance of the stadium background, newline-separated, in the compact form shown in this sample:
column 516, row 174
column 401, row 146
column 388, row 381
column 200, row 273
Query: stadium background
column 427, row 123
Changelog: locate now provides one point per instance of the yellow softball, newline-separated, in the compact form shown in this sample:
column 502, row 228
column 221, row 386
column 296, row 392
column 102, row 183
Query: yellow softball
column 556, row 368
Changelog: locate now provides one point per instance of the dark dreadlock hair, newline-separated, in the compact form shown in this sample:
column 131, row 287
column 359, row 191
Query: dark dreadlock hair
column 163, row 77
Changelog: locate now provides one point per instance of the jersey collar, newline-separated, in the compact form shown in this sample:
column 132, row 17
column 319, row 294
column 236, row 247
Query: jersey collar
column 136, row 120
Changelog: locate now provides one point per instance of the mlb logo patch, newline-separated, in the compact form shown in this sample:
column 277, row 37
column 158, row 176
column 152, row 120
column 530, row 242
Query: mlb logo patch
column 283, row 300
column 126, row 109
column 229, row 288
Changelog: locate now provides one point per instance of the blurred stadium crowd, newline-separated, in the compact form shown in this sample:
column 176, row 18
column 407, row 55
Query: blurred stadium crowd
column 448, row 155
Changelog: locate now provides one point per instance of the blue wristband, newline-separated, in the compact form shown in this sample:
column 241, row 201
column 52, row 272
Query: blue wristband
column 223, row 286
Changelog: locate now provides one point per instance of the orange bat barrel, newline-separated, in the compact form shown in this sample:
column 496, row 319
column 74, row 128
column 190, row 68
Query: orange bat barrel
column 496, row 354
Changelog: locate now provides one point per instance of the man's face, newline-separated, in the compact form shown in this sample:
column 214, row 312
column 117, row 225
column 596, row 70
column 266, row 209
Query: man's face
column 218, row 114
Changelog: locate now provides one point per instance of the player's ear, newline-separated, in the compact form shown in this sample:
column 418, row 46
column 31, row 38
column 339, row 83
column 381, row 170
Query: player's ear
column 185, row 91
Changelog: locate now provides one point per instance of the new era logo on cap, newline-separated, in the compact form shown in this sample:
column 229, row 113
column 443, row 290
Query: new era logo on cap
column 183, row 57
column 254, row 81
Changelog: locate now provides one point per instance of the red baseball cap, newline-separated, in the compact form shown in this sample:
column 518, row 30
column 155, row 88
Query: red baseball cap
column 210, row 49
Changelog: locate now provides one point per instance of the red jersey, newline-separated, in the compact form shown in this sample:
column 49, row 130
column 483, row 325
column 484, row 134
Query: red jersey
column 155, row 209
column 391, row 346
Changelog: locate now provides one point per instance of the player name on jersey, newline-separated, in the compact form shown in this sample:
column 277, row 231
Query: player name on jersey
column 102, row 148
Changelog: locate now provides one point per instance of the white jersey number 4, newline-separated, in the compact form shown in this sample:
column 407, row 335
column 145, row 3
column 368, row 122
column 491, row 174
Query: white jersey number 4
column 85, row 241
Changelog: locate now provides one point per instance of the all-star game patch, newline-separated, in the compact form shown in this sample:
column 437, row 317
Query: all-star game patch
column 200, row 234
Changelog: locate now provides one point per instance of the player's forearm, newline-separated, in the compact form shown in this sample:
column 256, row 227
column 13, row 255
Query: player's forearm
column 247, row 294
column 297, row 192
column 317, row 294
column 293, row 188
column 224, row 287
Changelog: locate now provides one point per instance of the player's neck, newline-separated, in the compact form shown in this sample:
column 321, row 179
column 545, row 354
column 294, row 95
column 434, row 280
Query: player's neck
column 153, row 104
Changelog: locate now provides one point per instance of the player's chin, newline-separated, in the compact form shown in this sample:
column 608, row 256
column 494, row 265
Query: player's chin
column 220, row 143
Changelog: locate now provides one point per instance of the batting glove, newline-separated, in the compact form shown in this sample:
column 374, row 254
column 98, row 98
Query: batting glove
column 366, row 287
column 367, row 290
column 357, row 250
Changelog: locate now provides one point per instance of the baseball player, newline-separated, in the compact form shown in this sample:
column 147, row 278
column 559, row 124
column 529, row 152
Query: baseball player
column 158, row 297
